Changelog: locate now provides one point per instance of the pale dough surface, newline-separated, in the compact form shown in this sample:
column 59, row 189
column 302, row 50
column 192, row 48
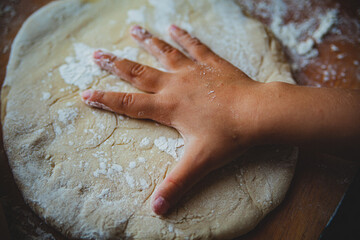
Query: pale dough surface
column 90, row 173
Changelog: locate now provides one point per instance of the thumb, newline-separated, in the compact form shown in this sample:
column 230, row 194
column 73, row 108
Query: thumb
column 191, row 168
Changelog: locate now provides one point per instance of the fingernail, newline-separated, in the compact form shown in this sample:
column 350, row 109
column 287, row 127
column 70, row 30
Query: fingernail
column 140, row 32
column 85, row 95
column 98, row 54
column 160, row 206
column 173, row 27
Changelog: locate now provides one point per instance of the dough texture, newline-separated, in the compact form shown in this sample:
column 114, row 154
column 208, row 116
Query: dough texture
column 90, row 173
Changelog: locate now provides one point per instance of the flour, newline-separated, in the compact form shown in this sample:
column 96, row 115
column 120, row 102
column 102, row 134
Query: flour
column 130, row 180
column 165, row 12
column 69, row 104
column 145, row 142
column 117, row 167
column 326, row 21
column 290, row 34
column 171, row 146
column 141, row 159
column 45, row 96
column 334, row 48
column 136, row 15
column 341, row 56
column 67, row 115
column 81, row 70
column 128, row 53
column 108, row 170
column 143, row 183
column 104, row 193
column 171, row 228
column 239, row 50
column 299, row 38
column 132, row 164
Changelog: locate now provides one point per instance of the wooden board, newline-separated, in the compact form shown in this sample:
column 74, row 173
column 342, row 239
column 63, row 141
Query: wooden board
column 319, row 183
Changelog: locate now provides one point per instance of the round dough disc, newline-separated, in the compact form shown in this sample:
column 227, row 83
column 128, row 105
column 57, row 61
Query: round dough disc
column 90, row 173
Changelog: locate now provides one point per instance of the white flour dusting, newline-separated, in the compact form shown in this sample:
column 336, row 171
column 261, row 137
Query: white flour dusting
column 171, row 146
column 299, row 38
column 117, row 167
column 129, row 179
column 107, row 169
column 128, row 53
column 132, row 164
column 141, row 159
column 69, row 104
column 45, row 96
column 80, row 70
column 67, row 115
column 334, row 48
column 166, row 11
column 290, row 34
column 239, row 50
column 136, row 15
column 143, row 183
column 145, row 142
column 104, row 193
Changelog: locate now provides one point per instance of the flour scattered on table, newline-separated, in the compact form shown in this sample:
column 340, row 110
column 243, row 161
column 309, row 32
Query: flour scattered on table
column 291, row 33
column 299, row 38
column 334, row 48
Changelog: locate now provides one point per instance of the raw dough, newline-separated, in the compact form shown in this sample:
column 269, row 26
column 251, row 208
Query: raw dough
column 90, row 173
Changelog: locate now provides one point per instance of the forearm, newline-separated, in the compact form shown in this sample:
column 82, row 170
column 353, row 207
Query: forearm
column 321, row 118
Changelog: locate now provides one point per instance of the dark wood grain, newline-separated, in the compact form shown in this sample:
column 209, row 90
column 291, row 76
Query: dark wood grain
column 320, row 180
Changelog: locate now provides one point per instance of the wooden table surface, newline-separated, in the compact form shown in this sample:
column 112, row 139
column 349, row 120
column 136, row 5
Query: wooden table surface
column 320, row 180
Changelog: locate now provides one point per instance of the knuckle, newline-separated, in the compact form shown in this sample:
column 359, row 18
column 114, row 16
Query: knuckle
column 137, row 70
column 176, row 183
column 194, row 42
column 126, row 100
column 167, row 49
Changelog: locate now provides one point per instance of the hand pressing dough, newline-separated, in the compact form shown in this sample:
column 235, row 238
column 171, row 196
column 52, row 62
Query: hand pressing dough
column 90, row 173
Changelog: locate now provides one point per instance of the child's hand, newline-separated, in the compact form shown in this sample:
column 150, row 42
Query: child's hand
column 208, row 100
column 220, row 111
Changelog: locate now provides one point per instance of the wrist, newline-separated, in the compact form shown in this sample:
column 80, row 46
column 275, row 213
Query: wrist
column 269, row 112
